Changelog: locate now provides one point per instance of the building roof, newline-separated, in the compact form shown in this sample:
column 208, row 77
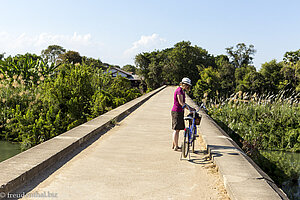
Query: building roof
column 129, row 75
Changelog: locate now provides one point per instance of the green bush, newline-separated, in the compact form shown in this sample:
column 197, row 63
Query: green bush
column 272, row 126
column 73, row 94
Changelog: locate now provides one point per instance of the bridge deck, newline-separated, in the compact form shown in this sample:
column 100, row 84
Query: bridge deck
column 134, row 160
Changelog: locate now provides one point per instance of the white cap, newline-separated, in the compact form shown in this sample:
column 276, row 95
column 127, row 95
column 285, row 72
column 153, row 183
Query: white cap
column 186, row 81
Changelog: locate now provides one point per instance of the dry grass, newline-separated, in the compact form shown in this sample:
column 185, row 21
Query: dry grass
column 212, row 169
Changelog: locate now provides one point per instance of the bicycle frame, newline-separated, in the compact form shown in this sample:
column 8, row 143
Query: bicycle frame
column 189, row 137
column 191, row 129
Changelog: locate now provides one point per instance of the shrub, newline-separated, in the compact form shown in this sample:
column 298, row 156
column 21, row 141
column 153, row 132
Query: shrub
column 73, row 95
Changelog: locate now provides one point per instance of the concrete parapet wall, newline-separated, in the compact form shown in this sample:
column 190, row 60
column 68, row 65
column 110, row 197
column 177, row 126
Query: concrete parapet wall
column 22, row 168
column 243, row 179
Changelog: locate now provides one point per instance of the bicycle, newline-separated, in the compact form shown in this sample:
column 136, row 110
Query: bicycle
column 190, row 134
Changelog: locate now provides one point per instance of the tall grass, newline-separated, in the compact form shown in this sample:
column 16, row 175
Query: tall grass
column 267, row 122
column 270, row 122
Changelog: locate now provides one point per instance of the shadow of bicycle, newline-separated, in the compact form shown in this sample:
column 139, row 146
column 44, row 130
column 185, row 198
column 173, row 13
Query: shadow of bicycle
column 199, row 157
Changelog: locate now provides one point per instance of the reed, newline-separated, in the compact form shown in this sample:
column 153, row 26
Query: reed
column 270, row 121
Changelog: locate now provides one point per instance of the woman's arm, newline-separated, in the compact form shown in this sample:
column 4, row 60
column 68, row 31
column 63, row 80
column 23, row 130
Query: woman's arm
column 180, row 100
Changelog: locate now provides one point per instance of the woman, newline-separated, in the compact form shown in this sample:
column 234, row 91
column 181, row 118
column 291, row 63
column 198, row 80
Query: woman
column 177, row 110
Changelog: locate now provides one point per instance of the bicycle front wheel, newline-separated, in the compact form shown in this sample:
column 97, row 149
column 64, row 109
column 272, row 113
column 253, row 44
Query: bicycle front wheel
column 193, row 146
column 185, row 146
column 193, row 140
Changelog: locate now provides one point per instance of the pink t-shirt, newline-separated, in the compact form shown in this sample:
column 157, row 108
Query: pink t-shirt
column 177, row 107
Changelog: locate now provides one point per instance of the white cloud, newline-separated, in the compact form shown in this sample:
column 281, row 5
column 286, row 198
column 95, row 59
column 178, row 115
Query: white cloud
column 23, row 43
column 85, row 44
column 146, row 43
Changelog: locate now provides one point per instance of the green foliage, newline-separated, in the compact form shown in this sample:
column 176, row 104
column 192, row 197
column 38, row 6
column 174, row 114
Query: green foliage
column 208, row 84
column 74, row 93
column 52, row 53
column 240, row 75
column 215, row 78
column 121, row 91
column 171, row 65
column 186, row 59
column 71, row 92
column 226, row 72
column 271, row 71
column 130, row 68
column 242, row 56
column 218, row 77
column 291, row 70
column 253, row 81
column 94, row 63
column 283, row 168
column 272, row 123
column 292, row 57
column 1, row 56
column 150, row 66
column 28, row 69
column 70, row 57
column 291, row 74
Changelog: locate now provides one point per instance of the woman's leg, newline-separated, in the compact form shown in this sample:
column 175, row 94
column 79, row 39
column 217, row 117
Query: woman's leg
column 175, row 138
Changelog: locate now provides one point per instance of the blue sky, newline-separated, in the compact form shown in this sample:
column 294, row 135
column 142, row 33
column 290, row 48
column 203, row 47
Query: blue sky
column 115, row 31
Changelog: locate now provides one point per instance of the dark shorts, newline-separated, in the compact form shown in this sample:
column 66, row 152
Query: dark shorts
column 177, row 120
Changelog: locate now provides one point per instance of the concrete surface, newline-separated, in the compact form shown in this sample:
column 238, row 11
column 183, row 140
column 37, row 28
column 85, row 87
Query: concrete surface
column 133, row 160
column 243, row 179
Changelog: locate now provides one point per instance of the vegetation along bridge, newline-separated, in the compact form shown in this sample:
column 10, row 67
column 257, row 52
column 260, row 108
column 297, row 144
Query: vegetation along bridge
column 133, row 159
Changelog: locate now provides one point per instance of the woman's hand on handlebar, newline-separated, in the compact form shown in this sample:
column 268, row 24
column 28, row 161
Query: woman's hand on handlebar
column 189, row 107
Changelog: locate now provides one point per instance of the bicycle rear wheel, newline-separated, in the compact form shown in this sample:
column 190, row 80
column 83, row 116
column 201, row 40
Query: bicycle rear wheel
column 185, row 145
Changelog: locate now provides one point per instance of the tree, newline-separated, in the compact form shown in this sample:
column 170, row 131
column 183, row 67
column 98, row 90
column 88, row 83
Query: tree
column 52, row 53
column 70, row 57
column 253, row 82
column 185, row 59
column 208, row 85
column 291, row 70
column 240, row 74
column 150, row 67
column 156, row 70
column 94, row 63
column 129, row 68
column 242, row 56
column 271, row 71
column 142, row 61
column 292, row 57
column 297, row 71
column 292, row 78
column 172, row 64
column 226, row 72
column 1, row 56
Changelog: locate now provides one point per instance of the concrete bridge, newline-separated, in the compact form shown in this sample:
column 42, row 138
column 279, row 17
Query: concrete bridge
column 126, row 154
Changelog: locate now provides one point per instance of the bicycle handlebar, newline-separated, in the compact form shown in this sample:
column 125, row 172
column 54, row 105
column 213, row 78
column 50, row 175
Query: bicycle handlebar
column 201, row 106
column 185, row 105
